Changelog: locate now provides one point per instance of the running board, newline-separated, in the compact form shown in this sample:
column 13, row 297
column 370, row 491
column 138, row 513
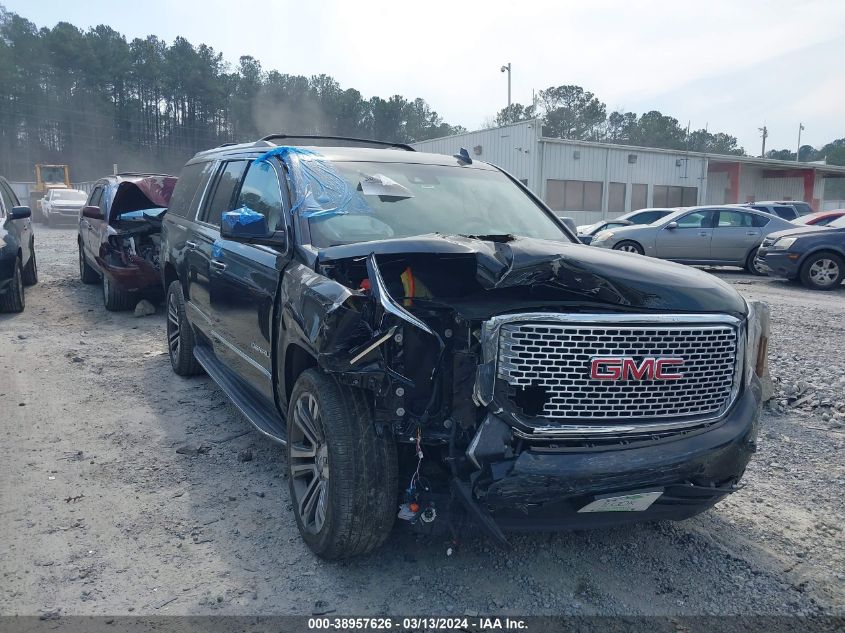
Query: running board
column 253, row 406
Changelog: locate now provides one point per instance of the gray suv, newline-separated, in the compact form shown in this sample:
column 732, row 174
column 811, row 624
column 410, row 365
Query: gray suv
column 728, row 236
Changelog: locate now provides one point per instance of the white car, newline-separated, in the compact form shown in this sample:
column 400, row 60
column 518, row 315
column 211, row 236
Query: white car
column 62, row 204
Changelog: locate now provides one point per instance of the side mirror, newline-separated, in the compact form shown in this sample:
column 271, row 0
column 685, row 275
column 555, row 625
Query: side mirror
column 21, row 213
column 246, row 225
column 672, row 225
column 92, row 212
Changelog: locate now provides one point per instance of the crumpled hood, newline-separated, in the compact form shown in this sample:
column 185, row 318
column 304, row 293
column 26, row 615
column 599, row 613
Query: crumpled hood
column 144, row 193
column 596, row 275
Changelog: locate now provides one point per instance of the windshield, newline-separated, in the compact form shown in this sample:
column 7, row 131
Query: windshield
column 395, row 200
column 52, row 175
column 70, row 195
column 838, row 223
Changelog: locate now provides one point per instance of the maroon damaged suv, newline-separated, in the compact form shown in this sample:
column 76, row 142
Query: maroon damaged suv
column 120, row 234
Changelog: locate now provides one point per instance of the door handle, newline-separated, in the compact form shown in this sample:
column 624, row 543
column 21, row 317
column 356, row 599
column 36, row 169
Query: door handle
column 191, row 244
column 750, row 233
column 703, row 234
column 217, row 265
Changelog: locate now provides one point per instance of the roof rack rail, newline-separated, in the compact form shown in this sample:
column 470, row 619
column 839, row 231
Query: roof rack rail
column 141, row 173
column 273, row 137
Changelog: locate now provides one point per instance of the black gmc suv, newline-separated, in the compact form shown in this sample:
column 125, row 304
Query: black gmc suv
column 430, row 342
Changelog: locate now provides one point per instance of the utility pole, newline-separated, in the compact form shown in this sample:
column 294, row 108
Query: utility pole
column 507, row 68
column 798, row 151
column 764, row 132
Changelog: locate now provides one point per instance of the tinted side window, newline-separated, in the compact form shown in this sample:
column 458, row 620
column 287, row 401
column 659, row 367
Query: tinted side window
column 192, row 178
column 261, row 193
column 759, row 220
column 224, row 192
column 13, row 199
column 788, row 213
column 647, row 218
column 8, row 197
column 96, row 196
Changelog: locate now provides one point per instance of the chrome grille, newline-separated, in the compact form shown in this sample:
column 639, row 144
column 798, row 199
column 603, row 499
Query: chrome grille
column 556, row 357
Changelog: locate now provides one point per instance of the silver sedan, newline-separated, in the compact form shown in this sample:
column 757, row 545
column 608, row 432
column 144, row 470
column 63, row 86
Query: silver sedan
column 724, row 236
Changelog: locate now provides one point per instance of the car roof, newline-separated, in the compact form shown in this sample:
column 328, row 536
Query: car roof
column 341, row 154
column 131, row 177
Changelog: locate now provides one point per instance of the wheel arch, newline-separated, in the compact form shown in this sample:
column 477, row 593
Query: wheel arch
column 296, row 360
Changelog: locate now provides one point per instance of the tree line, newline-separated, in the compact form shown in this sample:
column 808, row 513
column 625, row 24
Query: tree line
column 92, row 99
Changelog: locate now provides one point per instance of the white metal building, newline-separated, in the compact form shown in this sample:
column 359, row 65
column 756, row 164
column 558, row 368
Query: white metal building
column 588, row 181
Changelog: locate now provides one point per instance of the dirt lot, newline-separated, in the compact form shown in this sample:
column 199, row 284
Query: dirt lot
column 124, row 488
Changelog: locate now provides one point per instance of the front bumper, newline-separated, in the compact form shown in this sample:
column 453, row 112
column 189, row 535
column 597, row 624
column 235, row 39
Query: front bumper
column 780, row 263
column 65, row 214
column 543, row 488
column 133, row 278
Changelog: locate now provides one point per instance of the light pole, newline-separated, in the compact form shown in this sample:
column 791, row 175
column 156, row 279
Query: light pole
column 507, row 69
column 798, row 151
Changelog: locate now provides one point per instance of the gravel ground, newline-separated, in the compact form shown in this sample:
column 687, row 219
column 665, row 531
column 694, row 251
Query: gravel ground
column 125, row 489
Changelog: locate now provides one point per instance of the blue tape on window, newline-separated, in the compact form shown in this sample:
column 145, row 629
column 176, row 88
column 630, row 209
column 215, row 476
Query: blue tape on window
column 317, row 187
column 216, row 249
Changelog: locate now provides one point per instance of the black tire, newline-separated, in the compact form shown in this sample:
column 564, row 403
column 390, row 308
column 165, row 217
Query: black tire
column 13, row 300
column 751, row 267
column 114, row 299
column 823, row 271
column 87, row 274
column 180, row 335
column 359, row 499
column 629, row 246
column 30, row 273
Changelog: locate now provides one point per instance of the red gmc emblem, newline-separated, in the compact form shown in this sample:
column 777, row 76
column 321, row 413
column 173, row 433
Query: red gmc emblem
column 626, row 368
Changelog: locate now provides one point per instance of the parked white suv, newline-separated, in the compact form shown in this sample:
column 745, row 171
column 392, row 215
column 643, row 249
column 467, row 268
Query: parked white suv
column 62, row 204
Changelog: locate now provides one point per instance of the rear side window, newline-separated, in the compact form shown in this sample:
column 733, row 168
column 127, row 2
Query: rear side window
column 759, row 220
column 224, row 192
column 191, row 181
column 734, row 218
column 787, row 213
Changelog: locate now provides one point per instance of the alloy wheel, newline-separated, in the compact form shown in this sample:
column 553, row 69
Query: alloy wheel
column 174, row 329
column 628, row 248
column 309, row 463
column 824, row 272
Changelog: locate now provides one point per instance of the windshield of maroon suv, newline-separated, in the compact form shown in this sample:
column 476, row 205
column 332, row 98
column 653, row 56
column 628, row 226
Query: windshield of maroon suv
column 394, row 200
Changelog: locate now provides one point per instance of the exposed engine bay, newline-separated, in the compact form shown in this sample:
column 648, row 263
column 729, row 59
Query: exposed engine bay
column 137, row 237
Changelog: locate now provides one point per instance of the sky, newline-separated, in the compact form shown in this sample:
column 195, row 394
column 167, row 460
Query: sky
column 730, row 65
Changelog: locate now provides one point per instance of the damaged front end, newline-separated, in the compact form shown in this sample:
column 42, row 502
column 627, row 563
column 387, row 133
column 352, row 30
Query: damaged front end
column 131, row 247
column 478, row 353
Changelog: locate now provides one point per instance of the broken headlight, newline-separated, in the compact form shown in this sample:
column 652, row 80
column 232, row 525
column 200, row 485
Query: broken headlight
column 757, row 339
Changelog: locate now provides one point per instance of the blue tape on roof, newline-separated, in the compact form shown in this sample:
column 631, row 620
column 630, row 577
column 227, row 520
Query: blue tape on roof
column 317, row 187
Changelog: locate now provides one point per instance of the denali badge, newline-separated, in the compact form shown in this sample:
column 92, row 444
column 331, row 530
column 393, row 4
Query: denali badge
column 626, row 368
